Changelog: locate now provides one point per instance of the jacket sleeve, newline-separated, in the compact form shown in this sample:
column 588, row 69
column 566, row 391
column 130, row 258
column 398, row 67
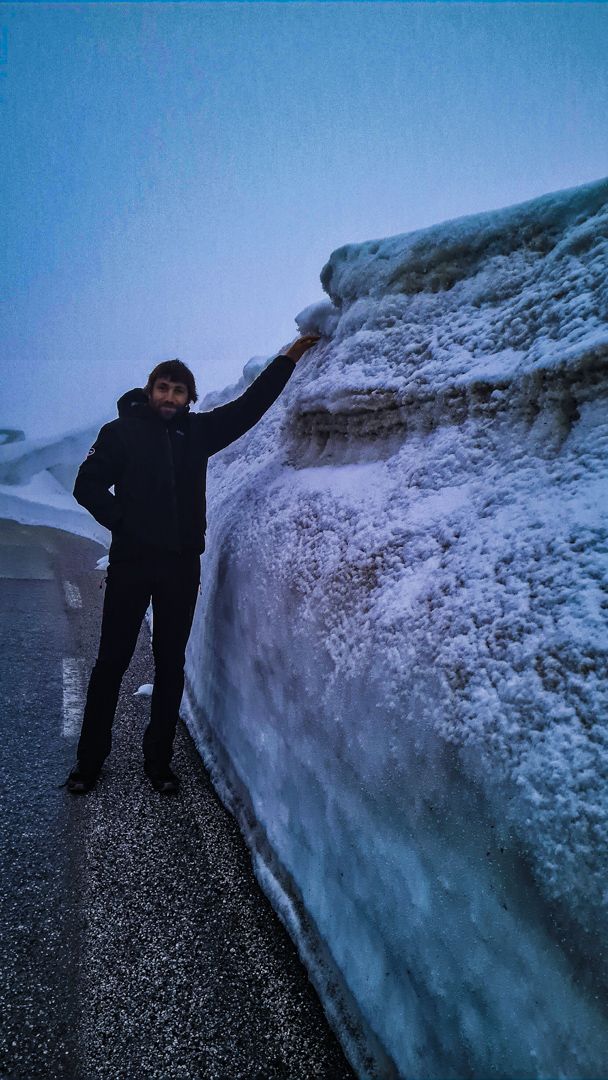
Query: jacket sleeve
column 101, row 468
column 228, row 422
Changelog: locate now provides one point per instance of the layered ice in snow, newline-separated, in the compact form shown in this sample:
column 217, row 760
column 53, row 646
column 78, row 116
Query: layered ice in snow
column 398, row 665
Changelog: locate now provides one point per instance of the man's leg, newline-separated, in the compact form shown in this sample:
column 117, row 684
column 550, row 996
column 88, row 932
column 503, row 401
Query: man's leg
column 173, row 602
column 127, row 597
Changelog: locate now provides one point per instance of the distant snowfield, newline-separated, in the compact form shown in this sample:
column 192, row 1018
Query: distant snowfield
column 398, row 667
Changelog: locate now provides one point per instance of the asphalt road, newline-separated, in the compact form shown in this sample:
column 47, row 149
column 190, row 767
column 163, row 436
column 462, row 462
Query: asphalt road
column 135, row 940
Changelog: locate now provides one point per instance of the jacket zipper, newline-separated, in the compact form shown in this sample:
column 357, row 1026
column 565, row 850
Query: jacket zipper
column 173, row 489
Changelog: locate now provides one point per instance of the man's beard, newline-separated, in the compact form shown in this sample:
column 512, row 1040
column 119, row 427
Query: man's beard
column 167, row 412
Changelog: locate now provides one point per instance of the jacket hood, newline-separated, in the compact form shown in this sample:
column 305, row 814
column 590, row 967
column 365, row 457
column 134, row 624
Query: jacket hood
column 130, row 403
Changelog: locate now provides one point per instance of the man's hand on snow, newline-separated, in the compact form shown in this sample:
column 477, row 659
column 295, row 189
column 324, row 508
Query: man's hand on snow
column 300, row 346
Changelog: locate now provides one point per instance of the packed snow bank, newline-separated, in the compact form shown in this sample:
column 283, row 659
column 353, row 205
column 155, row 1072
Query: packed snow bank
column 36, row 481
column 398, row 665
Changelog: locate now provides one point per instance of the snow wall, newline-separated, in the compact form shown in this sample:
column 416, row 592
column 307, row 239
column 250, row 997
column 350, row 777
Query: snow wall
column 397, row 672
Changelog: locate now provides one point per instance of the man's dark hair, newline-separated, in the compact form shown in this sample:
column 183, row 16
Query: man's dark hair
column 177, row 372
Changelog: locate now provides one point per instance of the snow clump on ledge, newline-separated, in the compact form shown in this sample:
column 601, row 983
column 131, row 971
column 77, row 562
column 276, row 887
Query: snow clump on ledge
column 398, row 666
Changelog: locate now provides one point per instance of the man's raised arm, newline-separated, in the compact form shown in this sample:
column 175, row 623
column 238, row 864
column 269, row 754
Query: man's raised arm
column 228, row 422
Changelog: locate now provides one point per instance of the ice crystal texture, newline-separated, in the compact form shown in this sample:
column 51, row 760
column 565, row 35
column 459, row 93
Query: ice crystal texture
column 398, row 664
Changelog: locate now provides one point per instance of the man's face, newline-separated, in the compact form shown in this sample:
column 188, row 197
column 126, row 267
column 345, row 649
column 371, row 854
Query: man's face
column 167, row 397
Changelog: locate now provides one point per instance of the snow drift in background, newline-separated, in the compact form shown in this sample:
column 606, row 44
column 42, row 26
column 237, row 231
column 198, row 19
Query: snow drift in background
column 37, row 478
column 398, row 665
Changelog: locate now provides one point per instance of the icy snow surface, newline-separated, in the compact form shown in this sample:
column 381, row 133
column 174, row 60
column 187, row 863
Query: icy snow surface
column 398, row 664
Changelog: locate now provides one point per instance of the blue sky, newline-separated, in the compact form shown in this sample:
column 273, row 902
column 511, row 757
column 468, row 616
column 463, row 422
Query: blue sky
column 176, row 175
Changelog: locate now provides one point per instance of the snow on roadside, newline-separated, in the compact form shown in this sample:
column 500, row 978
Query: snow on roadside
column 398, row 666
column 399, row 661
column 36, row 481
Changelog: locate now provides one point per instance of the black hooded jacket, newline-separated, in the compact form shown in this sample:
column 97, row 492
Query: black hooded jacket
column 159, row 468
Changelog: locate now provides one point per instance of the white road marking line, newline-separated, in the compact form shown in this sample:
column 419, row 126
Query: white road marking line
column 73, row 698
column 72, row 594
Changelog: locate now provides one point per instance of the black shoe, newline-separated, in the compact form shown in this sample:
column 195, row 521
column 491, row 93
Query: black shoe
column 162, row 779
column 81, row 780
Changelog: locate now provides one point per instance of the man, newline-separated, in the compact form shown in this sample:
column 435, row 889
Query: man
column 155, row 455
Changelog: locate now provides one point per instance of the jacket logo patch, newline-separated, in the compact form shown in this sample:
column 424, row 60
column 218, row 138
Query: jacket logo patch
column 91, row 451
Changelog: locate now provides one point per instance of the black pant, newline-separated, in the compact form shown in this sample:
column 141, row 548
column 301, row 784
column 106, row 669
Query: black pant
column 171, row 581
